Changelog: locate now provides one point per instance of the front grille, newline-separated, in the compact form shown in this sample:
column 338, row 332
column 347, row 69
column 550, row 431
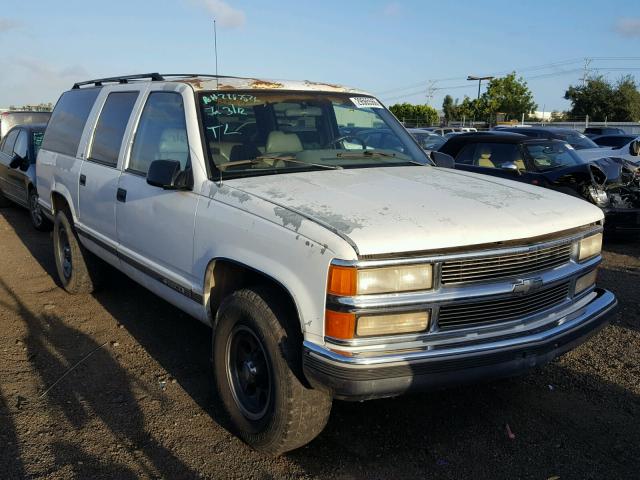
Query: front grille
column 481, row 269
column 471, row 314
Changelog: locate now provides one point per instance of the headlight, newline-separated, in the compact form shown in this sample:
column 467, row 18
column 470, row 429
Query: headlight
column 586, row 281
column 589, row 247
column 349, row 281
column 370, row 325
column 599, row 196
column 395, row 279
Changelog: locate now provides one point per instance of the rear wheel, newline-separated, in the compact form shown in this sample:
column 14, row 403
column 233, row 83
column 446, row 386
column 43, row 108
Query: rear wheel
column 38, row 220
column 257, row 369
column 78, row 269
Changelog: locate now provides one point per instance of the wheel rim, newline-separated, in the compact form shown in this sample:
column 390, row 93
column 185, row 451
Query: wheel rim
column 34, row 208
column 64, row 253
column 248, row 373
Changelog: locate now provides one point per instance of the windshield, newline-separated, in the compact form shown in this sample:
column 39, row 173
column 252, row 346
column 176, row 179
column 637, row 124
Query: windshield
column 270, row 132
column 37, row 143
column 577, row 140
column 428, row 141
column 614, row 141
column 552, row 155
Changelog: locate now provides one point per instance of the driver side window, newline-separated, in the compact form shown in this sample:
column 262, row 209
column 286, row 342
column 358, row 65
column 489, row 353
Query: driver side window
column 161, row 133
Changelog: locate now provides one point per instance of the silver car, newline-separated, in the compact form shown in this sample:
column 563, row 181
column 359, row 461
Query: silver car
column 18, row 151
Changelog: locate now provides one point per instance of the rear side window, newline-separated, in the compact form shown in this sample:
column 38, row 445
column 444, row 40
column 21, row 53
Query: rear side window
column 67, row 121
column 22, row 144
column 112, row 123
column 490, row 155
column 161, row 133
column 9, row 142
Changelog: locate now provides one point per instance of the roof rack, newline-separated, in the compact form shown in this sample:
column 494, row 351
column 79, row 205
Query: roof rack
column 156, row 77
column 123, row 79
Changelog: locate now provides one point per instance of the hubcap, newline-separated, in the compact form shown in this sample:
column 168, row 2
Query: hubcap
column 64, row 253
column 248, row 373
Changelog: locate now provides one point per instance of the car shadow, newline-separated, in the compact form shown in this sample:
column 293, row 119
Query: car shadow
column 562, row 420
column 10, row 452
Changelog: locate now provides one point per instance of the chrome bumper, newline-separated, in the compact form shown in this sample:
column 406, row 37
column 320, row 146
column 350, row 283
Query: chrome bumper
column 381, row 374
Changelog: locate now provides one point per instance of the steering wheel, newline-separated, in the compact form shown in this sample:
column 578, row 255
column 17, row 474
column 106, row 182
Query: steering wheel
column 346, row 137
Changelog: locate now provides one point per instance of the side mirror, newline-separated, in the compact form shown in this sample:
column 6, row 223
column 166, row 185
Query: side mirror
column 443, row 160
column 168, row 175
column 16, row 161
column 634, row 148
column 511, row 166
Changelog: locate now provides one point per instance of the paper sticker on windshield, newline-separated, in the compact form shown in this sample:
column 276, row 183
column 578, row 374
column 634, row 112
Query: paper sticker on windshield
column 366, row 102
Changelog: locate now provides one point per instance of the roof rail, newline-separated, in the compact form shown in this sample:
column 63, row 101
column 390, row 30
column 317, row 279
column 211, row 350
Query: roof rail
column 122, row 79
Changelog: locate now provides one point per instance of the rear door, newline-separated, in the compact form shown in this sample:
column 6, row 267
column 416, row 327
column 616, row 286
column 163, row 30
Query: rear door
column 155, row 226
column 99, row 174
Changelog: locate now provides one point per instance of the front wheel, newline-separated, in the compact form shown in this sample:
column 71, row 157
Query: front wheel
column 38, row 220
column 257, row 369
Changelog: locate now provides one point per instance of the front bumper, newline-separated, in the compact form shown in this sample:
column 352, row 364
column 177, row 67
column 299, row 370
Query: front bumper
column 619, row 219
column 361, row 378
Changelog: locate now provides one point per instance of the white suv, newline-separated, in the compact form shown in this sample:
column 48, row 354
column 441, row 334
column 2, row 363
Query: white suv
column 327, row 267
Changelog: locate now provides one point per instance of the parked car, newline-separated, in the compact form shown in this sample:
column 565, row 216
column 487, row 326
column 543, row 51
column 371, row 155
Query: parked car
column 427, row 140
column 325, row 271
column 614, row 141
column 18, row 151
column 612, row 184
column 597, row 131
column 630, row 151
column 10, row 119
column 574, row 138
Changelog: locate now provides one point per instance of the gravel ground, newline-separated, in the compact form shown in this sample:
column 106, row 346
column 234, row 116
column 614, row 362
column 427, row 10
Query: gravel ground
column 137, row 402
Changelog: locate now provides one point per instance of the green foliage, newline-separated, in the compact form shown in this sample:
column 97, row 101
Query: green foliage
column 508, row 95
column 600, row 99
column 422, row 114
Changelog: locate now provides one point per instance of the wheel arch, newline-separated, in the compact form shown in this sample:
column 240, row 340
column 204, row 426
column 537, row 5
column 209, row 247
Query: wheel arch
column 225, row 275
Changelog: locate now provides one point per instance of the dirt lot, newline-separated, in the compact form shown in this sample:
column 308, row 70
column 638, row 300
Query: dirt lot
column 139, row 401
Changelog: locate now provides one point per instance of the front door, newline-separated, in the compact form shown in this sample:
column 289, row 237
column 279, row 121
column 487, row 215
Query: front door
column 155, row 226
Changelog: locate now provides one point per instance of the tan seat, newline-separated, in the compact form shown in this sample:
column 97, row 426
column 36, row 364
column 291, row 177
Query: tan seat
column 485, row 161
column 280, row 142
column 520, row 164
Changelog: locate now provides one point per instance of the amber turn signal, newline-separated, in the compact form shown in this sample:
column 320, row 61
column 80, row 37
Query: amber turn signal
column 343, row 281
column 339, row 325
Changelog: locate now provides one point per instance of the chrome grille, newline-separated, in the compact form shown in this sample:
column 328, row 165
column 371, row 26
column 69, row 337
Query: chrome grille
column 481, row 269
column 471, row 314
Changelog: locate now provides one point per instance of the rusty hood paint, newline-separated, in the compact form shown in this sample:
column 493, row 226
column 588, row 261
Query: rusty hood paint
column 404, row 209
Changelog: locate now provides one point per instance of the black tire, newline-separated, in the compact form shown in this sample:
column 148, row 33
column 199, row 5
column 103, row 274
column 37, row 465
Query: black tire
column 290, row 414
column 78, row 269
column 38, row 220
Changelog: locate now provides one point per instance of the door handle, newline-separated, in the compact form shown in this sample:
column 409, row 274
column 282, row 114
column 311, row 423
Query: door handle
column 83, row 180
column 121, row 195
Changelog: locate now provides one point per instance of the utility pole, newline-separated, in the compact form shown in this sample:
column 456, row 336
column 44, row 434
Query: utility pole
column 479, row 79
column 585, row 74
column 431, row 90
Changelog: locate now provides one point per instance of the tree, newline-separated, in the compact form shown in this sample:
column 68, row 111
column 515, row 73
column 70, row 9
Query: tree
column 415, row 114
column 450, row 108
column 626, row 100
column 594, row 98
column 508, row 95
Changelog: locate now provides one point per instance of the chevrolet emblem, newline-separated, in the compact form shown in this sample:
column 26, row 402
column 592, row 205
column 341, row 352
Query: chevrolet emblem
column 527, row 285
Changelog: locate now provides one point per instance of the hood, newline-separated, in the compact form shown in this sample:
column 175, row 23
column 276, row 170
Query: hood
column 404, row 209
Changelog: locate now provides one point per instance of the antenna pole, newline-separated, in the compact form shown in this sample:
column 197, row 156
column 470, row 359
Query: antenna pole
column 215, row 47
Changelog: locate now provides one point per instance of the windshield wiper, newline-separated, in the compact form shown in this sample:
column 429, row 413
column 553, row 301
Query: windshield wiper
column 374, row 154
column 284, row 158
column 365, row 153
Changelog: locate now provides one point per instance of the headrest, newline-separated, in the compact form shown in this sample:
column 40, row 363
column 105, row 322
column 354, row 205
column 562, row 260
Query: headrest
column 281, row 142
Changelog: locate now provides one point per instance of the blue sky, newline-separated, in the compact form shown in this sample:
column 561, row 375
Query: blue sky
column 394, row 49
